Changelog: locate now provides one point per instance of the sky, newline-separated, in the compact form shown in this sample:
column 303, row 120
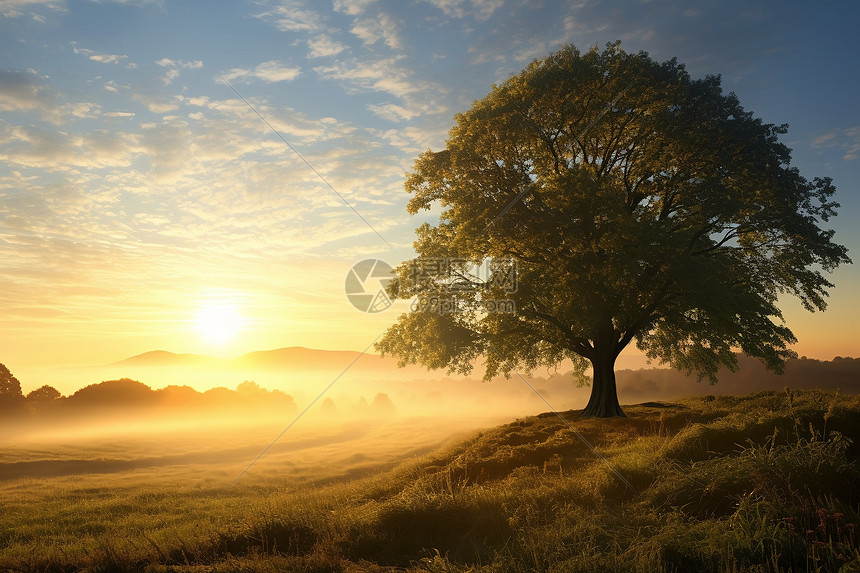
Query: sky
column 201, row 176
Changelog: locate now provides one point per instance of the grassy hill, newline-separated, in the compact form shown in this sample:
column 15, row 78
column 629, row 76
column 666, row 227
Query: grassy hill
column 766, row 482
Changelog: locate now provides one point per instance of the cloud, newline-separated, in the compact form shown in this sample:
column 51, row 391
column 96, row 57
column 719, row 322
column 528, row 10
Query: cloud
column 26, row 91
column 388, row 76
column 382, row 75
column 168, row 63
column 168, row 149
column 478, row 9
column 175, row 67
column 170, row 76
column 852, row 147
column 412, row 140
column 98, row 56
column 822, row 139
column 14, row 8
column 323, row 46
column 60, row 151
column 270, row 71
column 380, row 27
column 352, row 7
column 273, row 71
column 393, row 112
column 23, row 91
column 199, row 101
column 846, row 141
column 154, row 104
column 138, row 3
column 291, row 16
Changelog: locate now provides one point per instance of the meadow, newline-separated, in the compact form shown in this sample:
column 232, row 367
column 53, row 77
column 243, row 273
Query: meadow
column 764, row 482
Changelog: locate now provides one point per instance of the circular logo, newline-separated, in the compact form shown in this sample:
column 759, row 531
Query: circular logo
column 365, row 285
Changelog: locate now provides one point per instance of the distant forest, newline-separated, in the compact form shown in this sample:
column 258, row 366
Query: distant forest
column 131, row 396
column 841, row 374
column 115, row 396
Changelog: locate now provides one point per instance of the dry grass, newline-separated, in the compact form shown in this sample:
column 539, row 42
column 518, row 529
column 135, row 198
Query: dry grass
column 767, row 482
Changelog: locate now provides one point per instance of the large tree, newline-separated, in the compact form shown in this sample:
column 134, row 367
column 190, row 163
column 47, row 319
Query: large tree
column 638, row 204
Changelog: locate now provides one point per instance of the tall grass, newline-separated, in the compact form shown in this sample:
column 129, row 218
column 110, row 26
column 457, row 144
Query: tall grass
column 767, row 482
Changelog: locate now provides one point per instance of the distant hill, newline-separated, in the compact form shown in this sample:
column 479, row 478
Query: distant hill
column 289, row 358
column 165, row 358
column 633, row 385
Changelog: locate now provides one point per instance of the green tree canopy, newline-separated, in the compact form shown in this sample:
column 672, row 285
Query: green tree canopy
column 638, row 205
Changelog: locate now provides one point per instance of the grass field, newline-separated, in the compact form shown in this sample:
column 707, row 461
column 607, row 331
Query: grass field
column 767, row 482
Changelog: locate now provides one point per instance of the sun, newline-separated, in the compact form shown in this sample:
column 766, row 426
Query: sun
column 218, row 322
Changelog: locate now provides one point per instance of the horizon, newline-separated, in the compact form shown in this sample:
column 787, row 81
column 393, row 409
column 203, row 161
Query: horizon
column 145, row 204
column 159, row 369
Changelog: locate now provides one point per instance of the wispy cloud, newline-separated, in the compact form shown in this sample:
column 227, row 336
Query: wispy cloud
column 379, row 27
column 393, row 112
column 270, row 71
column 852, row 149
column 139, row 3
column 17, row 8
column 174, row 67
column 292, row 16
column 168, row 63
column 846, row 140
column 27, row 91
column 479, row 9
column 323, row 46
column 384, row 75
column 99, row 56
column 60, row 151
column 155, row 104
column 352, row 7
column 387, row 75
column 23, row 90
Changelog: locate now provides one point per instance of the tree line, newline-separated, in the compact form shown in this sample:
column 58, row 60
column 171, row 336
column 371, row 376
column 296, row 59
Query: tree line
column 127, row 395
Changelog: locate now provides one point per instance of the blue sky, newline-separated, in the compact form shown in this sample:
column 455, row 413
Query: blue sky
column 135, row 185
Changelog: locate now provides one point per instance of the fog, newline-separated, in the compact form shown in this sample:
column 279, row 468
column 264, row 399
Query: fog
column 160, row 423
column 209, row 423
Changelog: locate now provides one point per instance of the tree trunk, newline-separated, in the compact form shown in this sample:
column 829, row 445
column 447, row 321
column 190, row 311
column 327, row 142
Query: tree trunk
column 604, row 396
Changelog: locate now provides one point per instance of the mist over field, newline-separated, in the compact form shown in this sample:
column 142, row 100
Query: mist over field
column 163, row 416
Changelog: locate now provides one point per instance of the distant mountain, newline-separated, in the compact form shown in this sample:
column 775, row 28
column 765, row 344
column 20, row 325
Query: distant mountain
column 165, row 358
column 634, row 384
column 290, row 358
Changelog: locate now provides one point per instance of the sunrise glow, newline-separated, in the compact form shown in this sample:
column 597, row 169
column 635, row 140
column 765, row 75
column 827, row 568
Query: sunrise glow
column 218, row 323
